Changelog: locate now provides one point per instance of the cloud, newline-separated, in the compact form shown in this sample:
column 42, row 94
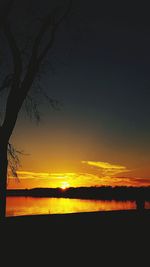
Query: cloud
column 43, row 175
column 106, row 168
column 32, row 175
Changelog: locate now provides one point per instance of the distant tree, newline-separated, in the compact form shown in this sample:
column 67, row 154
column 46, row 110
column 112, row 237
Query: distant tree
column 25, row 71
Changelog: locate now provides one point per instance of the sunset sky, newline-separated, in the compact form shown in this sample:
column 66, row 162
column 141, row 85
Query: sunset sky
column 100, row 73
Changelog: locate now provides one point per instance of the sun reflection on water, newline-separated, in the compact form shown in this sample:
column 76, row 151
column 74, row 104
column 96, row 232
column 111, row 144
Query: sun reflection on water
column 28, row 205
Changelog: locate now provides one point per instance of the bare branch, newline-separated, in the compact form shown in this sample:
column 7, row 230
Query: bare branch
column 32, row 108
column 46, row 24
column 13, row 159
column 13, row 100
column 16, row 54
column 49, row 23
column 54, row 103
column 6, row 82
column 21, row 88
column 54, row 29
column 33, row 65
column 6, row 11
column 35, row 59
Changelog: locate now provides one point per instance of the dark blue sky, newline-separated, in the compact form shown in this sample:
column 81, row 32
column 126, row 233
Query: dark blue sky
column 103, row 71
column 101, row 63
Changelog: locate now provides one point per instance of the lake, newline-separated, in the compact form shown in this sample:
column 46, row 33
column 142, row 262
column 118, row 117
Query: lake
column 17, row 206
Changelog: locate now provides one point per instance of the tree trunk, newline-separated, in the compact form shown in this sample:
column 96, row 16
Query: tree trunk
column 3, row 180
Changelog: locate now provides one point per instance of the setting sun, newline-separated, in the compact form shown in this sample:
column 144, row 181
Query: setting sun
column 64, row 185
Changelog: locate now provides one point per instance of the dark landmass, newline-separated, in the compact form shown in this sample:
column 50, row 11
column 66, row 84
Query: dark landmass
column 86, row 223
column 103, row 193
column 80, row 239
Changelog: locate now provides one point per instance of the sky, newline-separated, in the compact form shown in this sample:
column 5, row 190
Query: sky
column 99, row 71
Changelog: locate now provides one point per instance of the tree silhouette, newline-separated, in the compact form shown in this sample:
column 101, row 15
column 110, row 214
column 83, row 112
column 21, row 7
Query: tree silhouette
column 25, row 71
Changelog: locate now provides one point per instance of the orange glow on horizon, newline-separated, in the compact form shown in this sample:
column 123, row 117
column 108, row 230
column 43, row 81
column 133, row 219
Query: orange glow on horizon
column 64, row 185
column 29, row 180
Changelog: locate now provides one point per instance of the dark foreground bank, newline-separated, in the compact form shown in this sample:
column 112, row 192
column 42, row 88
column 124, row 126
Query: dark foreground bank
column 80, row 239
column 101, row 223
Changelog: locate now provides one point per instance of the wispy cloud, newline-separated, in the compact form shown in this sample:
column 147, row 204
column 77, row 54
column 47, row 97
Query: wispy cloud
column 32, row 175
column 43, row 175
column 107, row 169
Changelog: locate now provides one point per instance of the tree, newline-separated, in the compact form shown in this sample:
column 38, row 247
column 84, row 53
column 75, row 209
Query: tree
column 21, row 80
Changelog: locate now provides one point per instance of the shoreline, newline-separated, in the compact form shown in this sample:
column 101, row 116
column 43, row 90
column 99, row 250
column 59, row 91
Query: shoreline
column 132, row 214
column 121, row 193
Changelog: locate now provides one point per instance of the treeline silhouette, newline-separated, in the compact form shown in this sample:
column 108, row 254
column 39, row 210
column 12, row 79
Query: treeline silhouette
column 103, row 193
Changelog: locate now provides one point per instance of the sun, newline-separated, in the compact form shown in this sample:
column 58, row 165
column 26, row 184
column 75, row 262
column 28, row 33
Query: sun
column 64, row 185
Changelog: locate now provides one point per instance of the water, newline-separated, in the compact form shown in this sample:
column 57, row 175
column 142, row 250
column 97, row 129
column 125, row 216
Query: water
column 31, row 206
